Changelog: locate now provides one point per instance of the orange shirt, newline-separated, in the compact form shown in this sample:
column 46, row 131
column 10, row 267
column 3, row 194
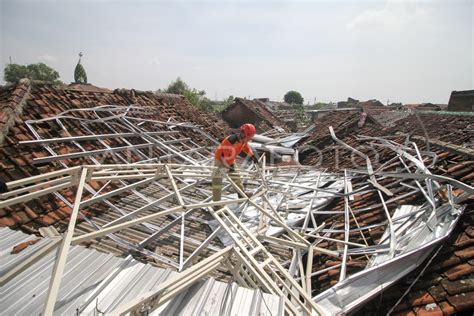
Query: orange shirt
column 230, row 147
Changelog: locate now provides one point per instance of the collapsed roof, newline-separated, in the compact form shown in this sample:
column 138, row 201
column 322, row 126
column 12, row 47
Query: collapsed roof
column 139, row 185
column 461, row 101
column 450, row 137
column 252, row 111
column 86, row 288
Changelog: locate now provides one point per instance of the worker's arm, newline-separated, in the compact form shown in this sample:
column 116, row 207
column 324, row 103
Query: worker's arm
column 248, row 154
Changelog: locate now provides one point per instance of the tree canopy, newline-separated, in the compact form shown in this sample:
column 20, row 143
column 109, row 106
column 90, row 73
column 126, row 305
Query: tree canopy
column 177, row 87
column 194, row 96
column 14, row 72
column 80, row 75
column 293, row 97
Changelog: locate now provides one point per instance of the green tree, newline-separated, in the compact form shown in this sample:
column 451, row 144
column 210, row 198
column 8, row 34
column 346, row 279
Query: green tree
column 301, row 118
column 194, row 96
column 177, row 87
column 14, row 72
column 229, row 100
column 80, row 75
column 293, row 97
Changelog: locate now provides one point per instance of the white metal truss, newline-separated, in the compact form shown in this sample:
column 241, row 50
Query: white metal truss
column 162, row 173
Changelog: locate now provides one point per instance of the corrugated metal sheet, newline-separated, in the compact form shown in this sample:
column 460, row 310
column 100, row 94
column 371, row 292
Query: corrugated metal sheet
column 383, row 272
column 26, row 293
column 86, row 286
column 10, row 238
column 211, row 297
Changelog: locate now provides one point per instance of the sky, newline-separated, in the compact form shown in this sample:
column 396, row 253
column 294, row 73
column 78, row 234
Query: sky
column 396, row 51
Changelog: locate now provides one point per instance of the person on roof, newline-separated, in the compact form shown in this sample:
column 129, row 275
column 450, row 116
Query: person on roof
column 225, row 154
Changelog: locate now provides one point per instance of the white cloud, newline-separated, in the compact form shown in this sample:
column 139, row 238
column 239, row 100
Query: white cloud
column 395, row 14
column 156, row 61
column 48, row 58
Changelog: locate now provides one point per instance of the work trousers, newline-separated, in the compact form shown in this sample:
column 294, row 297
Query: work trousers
column 218, row 174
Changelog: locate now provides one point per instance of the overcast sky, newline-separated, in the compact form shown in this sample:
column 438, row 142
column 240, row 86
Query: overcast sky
column 404, row 51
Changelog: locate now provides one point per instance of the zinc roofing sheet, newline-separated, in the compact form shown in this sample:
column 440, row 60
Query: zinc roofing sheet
column 98, row 282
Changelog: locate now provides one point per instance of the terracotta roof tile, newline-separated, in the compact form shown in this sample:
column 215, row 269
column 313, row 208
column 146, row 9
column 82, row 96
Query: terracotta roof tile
column 31, row 214
column 459, row 271
column 470, row 231
column 420, row 298
column 448, row 260
column 447, row 308
column 429, row 310
column 6, row 221
column 462, row 302
column 21, row 217
column 459, row 286
column 46, row 220
column 406, row 312
column 465, row 254
column 28, row 228
column 403, row 306
column 450, row 264
column 20, row 247
column 427, row 282
column 438, row 292
column 464, row 239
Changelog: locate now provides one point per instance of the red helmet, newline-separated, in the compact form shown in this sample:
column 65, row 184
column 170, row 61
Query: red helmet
column 248, row 130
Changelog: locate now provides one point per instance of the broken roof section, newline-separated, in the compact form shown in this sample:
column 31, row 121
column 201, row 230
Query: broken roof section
column 98, row 281
column 133, row 203
column 461, row 101
column 450, row 137
column 39, row 104
column 274, row 106
column 319, row 214
column 243, row 111
column 43, row 100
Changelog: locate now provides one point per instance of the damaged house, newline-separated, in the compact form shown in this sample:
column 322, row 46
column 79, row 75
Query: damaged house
column 109, row 210
column 243, row 111
column 461, row 101
column 442, row 283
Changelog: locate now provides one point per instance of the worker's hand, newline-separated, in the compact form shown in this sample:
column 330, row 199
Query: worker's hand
column 232, row 168
column 254, row 160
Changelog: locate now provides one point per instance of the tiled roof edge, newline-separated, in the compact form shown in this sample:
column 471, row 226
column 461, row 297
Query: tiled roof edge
column 230, row 106
column 446, row 113
column 452, row 148
column 14, row 107
column 277, row 119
